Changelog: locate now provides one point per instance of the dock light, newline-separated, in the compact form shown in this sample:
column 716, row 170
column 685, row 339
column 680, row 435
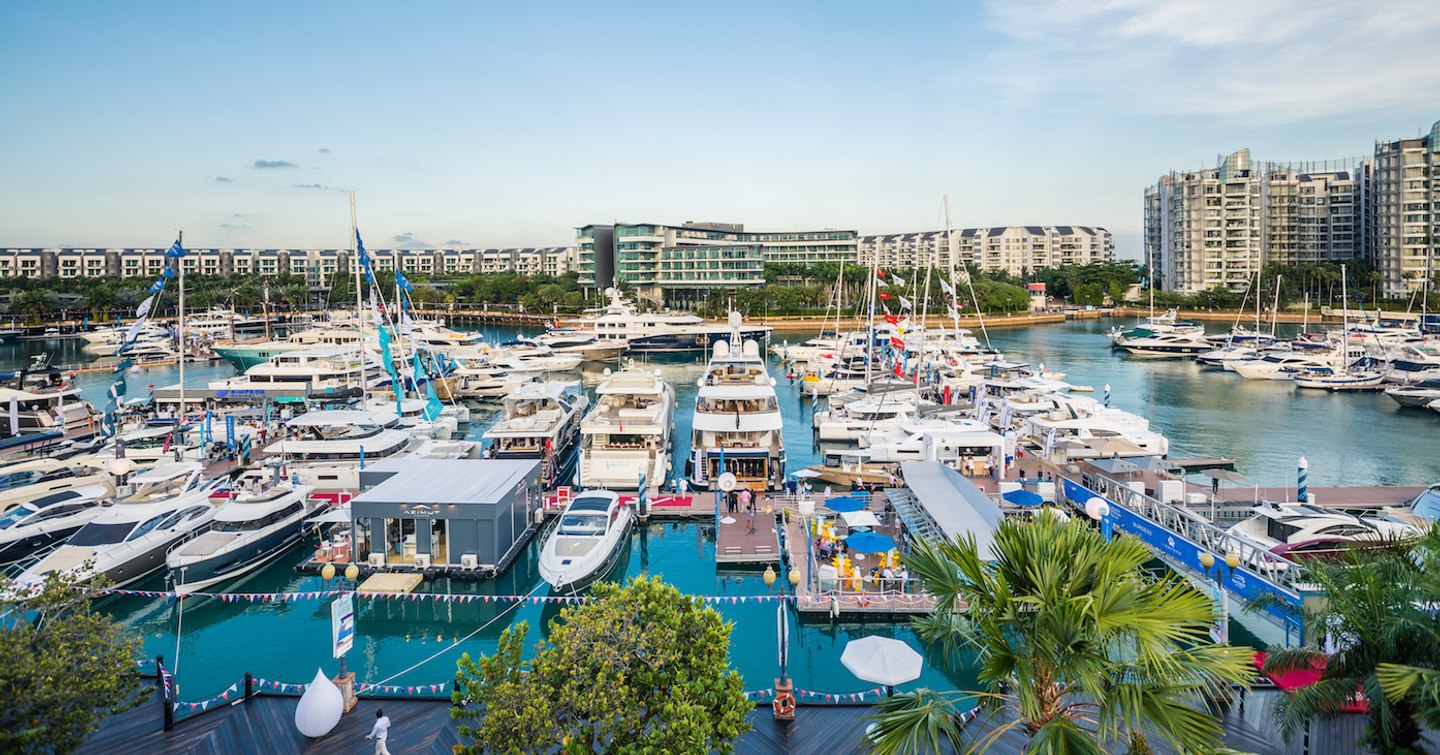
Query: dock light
column 352, row 572
column 1232, row 560
column 769, row 576
column 794, row 577
column 120, row 468
column 327, row 572
column 1207, row 560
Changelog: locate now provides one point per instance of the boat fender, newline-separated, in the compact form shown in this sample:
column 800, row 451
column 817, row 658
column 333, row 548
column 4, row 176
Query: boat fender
column 784, row 704
column 834, row 606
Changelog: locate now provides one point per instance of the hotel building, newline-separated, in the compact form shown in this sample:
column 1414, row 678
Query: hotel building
column 1407, row 212
column 1012, row 249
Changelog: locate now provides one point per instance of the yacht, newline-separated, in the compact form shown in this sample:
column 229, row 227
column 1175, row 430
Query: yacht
column 219, row 323
column 326, row 449
column 312, row 370
column 626, row 437
column 621, row 321
column 247, row 355
column 847, row 466
column 950, row 442
column 737, row 425
column 47, row 519
column 1226, row 354
column 541, row 421
column 1417, row 395
column 1275, row 526
column 1278, row 365
column 28, row 479
column 260, row 521
column 855, row 420
column 588, row 542
column 25, row 411
column 130, row 539
column 1170, row 344
column 590, row 347
column 1169, row 322
column 1415, row 361
column 1344, row 379
column 487, row 381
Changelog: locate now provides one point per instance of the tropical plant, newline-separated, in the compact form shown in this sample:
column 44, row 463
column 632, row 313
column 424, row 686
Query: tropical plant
column 66, row 666
column 1378, row 612
column 1079, row 646
column 638, row 668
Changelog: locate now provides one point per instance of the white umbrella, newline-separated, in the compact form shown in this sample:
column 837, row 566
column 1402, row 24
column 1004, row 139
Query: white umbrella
column 806, row 473
column 859, row 519
column 882, row 660
column 339, row 514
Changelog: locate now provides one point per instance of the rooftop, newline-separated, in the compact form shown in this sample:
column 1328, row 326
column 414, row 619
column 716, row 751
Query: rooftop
column 413, row 480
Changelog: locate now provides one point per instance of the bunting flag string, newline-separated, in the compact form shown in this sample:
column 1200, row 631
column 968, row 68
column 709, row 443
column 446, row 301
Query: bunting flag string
column 291, row 597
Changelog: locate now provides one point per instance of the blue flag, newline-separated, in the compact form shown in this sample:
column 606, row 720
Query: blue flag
column 360, row 250
column 389, row 361
column 402, row 282
column 158, row 287
column 167, row 273
column 175, row 251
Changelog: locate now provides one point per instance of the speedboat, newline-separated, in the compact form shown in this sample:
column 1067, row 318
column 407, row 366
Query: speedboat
column 130, row 539
column 737, row 424
column 588, row 541
column 1417, row 395
column 1289, row 524
column 24, row 481
column 48, row 519
column 626, row 437
column 260, row 521
column 1172, row 344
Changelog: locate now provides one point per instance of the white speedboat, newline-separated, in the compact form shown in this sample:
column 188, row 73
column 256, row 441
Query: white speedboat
column 28, row 479
column 542, row 421
column 1171, row 344
column 588, row 541
column 130, row 539
column 737, row 424
column 261, row 521
column 45, row 520
column 1272, row 527
column 1416, row 395
column 626, row 437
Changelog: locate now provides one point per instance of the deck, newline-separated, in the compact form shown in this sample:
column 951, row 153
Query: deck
column 748, row 538
column 266, row 724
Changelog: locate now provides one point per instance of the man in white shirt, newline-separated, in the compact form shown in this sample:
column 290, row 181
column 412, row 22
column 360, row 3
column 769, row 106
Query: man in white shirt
column 380, row 732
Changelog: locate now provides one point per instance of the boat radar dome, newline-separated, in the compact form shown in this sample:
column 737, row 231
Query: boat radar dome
column 735, row 319
column 610, row 291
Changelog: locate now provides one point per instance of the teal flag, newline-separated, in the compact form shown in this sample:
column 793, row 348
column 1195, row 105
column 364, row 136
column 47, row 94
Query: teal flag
column 390, row 367
column 433, row 406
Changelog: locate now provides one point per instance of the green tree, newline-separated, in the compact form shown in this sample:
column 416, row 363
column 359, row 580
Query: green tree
column 66, row 667
column 1378, row 612
column 1077, row 643
column 34, row 302
column 638, row 668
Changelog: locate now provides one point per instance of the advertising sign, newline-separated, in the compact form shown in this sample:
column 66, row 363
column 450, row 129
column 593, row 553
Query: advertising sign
column 342, row 623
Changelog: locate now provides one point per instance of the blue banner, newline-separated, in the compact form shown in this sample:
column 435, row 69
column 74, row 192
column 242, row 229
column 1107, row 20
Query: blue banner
column 230, row 431
column 1240, row 582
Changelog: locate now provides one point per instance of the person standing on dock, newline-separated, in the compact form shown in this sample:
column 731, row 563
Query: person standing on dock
column 380, row 732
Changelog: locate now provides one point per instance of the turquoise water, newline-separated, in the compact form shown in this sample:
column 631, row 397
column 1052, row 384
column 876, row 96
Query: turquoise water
column 1349, row 439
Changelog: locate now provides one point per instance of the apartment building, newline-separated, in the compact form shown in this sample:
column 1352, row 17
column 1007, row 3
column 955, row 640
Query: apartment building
column 1407, row 212
column 1012, row 249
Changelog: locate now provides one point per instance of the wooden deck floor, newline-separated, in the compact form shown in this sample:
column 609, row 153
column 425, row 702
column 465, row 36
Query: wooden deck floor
column 266, row 724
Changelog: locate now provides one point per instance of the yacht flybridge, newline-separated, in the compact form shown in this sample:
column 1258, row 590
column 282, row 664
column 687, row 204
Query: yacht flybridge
column 626, row 438
column 737, row 426
column 325, row 449
column 542, row 421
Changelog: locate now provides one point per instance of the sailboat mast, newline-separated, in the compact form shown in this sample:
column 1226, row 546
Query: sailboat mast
column 1275, row 313
column 180, row 262
column 953, row 303
column 870, row 321
column 359, row 308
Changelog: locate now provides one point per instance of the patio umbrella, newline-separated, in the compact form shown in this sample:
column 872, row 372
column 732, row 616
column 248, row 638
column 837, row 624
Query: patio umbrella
column 860, row 519
column 806, row 474
column 1024, row 497
column 1223, row 474
column 337, row 515
column 845, row 503
column 882, row 660
column 869, row 542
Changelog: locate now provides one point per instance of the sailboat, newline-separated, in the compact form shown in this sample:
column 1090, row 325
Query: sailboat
column 1345, row 377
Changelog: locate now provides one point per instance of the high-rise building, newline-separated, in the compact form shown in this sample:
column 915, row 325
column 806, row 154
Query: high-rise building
column 1012, row 249
column 1407, row 212
column 1219, row 226
column 683, row 264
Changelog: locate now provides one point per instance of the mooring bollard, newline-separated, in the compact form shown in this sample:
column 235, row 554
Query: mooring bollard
column 249, row 686
column 167, row 709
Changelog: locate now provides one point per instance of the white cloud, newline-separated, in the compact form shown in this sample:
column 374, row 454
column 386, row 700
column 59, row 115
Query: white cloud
column 1272, row 60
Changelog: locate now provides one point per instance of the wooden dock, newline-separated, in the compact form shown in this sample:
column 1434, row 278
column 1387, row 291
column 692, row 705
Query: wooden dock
column 743, row 538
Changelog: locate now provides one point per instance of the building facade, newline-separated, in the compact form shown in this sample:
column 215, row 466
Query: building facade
column 682, row 264
column 1219, row 226
column 1012, row 249
column 316, row 265
column 1407, row 212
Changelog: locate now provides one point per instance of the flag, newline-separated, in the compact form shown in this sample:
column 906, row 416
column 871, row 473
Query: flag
column 899, row 371
column 402, row 282
column 898, row 280
column 884, row 295
column 167, row 273
column 375, row 309
column 887, row 310
column 892, row 319
column 175, row 251
column 881, row 283
column 897, row 343
column 905, row 303
column 880, row 273
column 946, row 287
column 954, row 313
column 158, row 286
column 360, row 250
column 134, row 331
column 389, row 361
column 144, row 308
column 433, row 407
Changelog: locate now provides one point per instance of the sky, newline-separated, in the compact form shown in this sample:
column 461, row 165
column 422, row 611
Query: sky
column 511, row 124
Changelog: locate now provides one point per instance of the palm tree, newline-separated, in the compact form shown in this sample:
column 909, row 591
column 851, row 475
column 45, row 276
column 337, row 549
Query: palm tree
column 1379, row 612
column 1079, row 646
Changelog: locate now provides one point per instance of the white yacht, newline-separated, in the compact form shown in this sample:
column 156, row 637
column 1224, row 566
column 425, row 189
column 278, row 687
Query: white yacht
column 219, row 323
column 1416, row 395
column 47, row 519
column 1415, row 361
column 542, row 421
column 737, row 425
column 585, row 343
column 487, row 381
column 950, row 442
column 1283, row 365
column 26, row 411
column 621, row 321
column 28, row 479
column 130, row 539
column 326, row 449
column 588, row 541
column 626, row 437
column 1170, row 344
column 1278, row 528
column 313, row 370
column 260, row 521
column 873, row 414
column 1169, row 322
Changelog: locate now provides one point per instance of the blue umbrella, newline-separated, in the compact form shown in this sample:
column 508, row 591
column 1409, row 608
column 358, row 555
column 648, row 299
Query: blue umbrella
column 869, row 542
column 845, row 503
column 1024, row 497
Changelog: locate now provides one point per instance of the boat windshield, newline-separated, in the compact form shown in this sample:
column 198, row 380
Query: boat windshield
column 19, row 479
column 96, row 533
column 582, row 524
column 15, row 515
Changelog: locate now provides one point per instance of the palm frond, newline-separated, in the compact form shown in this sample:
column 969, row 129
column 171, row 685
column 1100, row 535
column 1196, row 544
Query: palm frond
column 1326, row 697
column 923, row 721
column 1064, row 736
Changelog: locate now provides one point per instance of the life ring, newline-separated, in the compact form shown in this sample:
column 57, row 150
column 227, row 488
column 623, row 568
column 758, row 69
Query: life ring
column 784, row 704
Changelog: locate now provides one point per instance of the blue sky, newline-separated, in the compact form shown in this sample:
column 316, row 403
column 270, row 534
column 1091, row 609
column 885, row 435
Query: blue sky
column 499, row 124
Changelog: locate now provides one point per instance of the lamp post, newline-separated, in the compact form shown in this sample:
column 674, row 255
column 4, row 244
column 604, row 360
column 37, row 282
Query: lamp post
column 1230, row 562
column 352, row 575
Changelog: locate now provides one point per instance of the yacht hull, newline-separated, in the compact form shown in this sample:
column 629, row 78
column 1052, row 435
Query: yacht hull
column 235, row 561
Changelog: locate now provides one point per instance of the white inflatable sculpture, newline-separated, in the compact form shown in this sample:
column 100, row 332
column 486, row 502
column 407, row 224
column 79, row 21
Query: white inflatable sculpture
column 320, row 707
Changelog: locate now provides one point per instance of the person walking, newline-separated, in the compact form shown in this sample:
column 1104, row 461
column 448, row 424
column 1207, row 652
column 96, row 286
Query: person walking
column 380, row 732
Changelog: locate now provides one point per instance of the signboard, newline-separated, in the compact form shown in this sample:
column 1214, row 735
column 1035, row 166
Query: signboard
column 342, row 623
column 230, row 431
column 1241, row 582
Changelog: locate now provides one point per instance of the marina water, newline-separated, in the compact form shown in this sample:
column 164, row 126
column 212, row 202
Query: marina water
column 1264, row 425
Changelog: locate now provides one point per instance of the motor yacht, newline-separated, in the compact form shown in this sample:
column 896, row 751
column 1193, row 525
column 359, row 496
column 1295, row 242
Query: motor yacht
column 1272, row 526
column 737, row 423
column 845, row 467
column 130, row 539
column 622, row 321
column 1169, row 322
column 541, row 421
column 326, row 449
column 588, row 541
column 1414, row 361
column 1171, row 344
column 1280, row 365
column 1226, row 354
column 1416, row 395
column 590, row 347
column 26, row 411
column 28, row 479
column 45, row 520
column 220, row 323
column 313, row 370
column 853, row 421
column 247, row 355
column 949, row 441
column 626, row 437
column 261, row 520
